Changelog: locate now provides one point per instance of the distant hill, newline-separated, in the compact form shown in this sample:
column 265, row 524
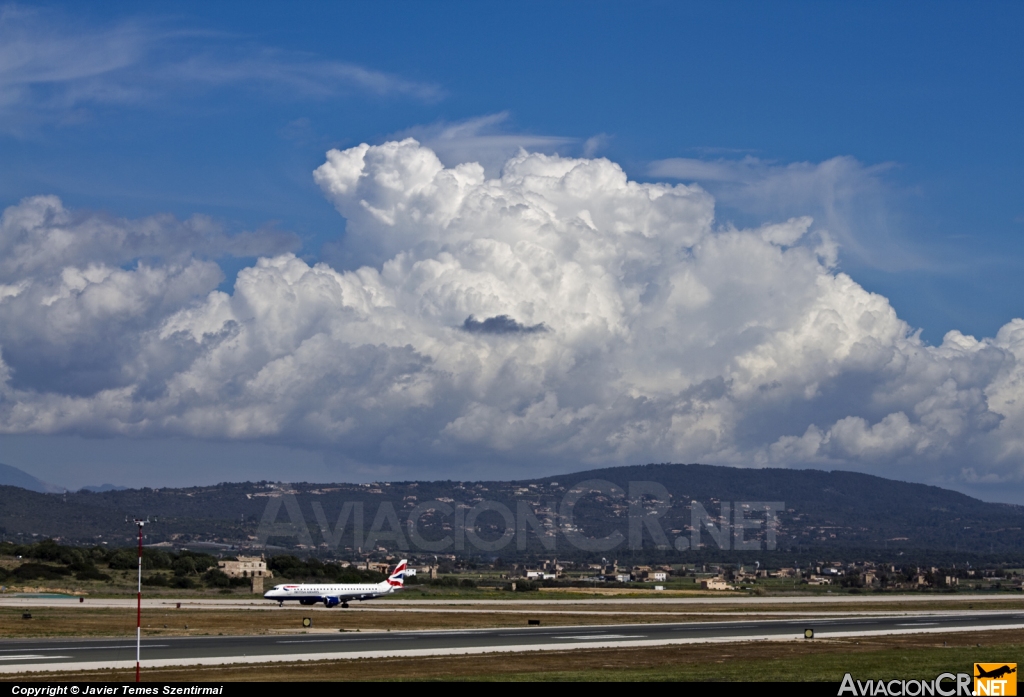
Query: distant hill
column 858, row 509
column 822, row 511
column 12, row 476
column 103, row 487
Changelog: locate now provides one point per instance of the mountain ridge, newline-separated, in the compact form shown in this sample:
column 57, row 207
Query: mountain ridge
column 826, row 509
column 12, row 476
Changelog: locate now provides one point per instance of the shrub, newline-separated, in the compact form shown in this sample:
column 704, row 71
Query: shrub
column 30, row 571
column 156, row 559
column 91, row 573
column 124, row 559
column 216, row 578
column 47, row 550
column 193, row 562
column 523, row 586
column 285, row 565
column 182, row 582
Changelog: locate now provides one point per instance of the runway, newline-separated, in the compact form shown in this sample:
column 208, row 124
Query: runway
column 17, row 656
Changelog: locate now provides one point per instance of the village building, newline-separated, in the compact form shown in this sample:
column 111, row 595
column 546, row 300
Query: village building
column 245, row 567
column 652, row 575
column 540, row 576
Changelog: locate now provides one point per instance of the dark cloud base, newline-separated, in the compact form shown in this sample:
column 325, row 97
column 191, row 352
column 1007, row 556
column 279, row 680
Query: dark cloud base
column 502, row 324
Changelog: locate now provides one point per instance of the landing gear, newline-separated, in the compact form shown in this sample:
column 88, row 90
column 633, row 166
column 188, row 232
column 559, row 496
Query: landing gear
column 345, row 605
column 280, row 603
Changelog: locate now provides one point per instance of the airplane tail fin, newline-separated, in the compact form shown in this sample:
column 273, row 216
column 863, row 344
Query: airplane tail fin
column 397, row 578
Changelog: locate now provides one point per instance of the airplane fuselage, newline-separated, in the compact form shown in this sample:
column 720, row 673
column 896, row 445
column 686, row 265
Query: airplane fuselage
column 334, row 594
column 330, row 594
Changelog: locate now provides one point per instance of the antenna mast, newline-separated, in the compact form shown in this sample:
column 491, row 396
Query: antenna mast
column 138, row 615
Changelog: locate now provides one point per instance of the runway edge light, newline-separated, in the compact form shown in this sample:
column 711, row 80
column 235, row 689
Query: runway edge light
column 808, row 634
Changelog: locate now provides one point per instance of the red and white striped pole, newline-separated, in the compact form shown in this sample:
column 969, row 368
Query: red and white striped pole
column 138, row 616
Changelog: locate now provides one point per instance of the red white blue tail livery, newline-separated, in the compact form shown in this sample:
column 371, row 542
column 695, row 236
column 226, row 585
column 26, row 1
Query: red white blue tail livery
column 334, row 594
column 397, row 578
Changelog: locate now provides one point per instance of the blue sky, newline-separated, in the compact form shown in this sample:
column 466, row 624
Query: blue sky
column 897, row 128
column 933, row 92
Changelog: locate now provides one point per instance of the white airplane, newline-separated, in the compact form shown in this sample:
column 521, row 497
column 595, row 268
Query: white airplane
column 334, row 594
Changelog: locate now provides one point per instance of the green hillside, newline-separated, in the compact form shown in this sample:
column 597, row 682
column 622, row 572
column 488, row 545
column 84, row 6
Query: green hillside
column 821, row 511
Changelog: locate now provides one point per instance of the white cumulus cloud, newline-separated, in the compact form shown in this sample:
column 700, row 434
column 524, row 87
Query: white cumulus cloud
column 481, row 140
column 78, row 291
column 843, row 195
column 558, row 312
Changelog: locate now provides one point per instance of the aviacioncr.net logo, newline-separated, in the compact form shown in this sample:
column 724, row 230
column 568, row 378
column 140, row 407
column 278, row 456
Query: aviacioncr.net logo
column 945, row 685
column 995, row 679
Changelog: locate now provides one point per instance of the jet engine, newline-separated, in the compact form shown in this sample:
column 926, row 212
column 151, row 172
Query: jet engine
column 332, row 601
